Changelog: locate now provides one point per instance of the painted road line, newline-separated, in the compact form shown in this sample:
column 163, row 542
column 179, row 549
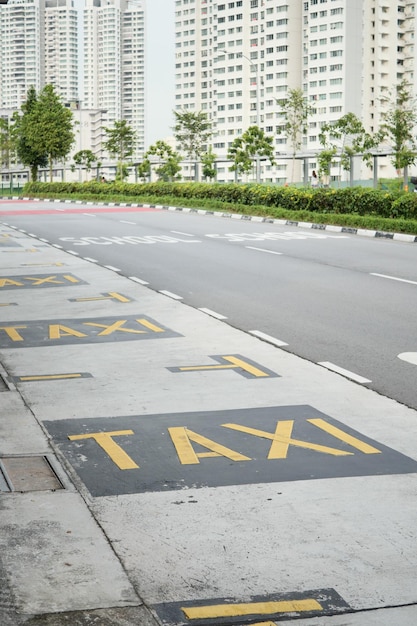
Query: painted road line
column 178, row 232
column 73, row 253
column 401, row 280
column 170, row 294
column 268, row 338
column 8, row 304
column 56, row 245
column 44, row 240
column 88, row 258
column 138, row 280
column 343, row 372
column 58, row 264
column 39, row 280
column 47, row 377
column 263, row 250
column 113, row 269
column 218, row 316
column 315, row 603
column 111, row 295
column 242, row 365
column 409, row 357
column 127, row 222
column 89, row 215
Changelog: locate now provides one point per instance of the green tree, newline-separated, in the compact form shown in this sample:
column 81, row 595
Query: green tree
column 7, row 143
column 27, row 153
column 168, row 158
column 86, row 158
column 192, row 130
column 244, row 149
column 208, row 160
column 49, row 129
column 295, row 111
column 398, row 127
column 143, row 169
column 324, row 160
column 120, row 144
column 348, row 137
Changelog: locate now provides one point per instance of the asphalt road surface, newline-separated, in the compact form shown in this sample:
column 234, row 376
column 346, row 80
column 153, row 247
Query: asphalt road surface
column 347, row 302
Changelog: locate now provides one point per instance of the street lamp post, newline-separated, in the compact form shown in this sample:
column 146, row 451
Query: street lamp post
column 258, row 116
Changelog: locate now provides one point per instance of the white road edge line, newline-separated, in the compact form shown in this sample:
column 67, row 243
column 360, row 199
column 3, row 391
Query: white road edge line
column 56, row 245
column 218, row 316
column 74, row 253
column 401, row 280
column 126, row 222
column 343, row 372
column 138, row 280
column 44, row 240
column 170, row 294
column 90, row 214
column 268, row 338
column 88, row 258
column 262, row 250
column 113, row 269
column 178, row 232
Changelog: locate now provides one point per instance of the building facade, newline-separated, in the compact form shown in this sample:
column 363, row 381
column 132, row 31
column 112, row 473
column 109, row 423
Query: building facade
column 114, row 63
column 237, row 59
column 38, row 46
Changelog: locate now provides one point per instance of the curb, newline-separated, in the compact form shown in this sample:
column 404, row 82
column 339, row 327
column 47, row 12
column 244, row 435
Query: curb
column 377, row 234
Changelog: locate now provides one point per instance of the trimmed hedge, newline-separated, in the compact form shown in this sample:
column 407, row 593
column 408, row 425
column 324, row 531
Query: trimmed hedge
column 351, row 200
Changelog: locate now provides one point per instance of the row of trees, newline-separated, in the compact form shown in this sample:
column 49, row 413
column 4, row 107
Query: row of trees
column 43, row 133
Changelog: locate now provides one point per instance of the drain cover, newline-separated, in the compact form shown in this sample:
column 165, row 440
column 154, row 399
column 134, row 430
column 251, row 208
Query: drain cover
column 27, row 473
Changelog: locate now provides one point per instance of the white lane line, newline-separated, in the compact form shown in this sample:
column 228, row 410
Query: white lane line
column 56, row 209
column 90, row 214
column 343, row 372
column 44, row 240
column 268, row 338
column 126, row 222
column 87, row 258
column 409, row 357
column 401, row 280
column 55, row 245
column 218, row 316
column 178, row 232
column 262, row 250
column 74, row 253
column 138, row 280
column 113, row 269
column 171, row 295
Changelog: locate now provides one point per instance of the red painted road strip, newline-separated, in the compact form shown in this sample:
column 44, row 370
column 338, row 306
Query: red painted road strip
column 89, row 209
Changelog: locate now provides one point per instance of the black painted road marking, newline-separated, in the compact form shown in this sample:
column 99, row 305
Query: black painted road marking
column 111, row 295
column 135, row 454
column 39, row 281
column 30, row 378
column 219, row 611
column 240, row 364
column 60, row 332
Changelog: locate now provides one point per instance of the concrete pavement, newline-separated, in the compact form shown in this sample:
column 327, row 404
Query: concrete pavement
column 159, row 467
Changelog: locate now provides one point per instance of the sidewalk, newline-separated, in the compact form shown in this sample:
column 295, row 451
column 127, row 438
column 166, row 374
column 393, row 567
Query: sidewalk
column 159, row 467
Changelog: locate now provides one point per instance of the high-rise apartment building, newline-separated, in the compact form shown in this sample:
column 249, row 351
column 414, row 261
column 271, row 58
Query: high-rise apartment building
column 38, row 45
column 236, row 59
column 114, row 62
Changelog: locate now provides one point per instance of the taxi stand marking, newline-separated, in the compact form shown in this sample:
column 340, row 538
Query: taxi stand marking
column 46, row 377
column 111, row 295
column 19, row 251
column 39, row 280
column 91, row 330
column 219, row 448
column 242, row 365
column 313, row 603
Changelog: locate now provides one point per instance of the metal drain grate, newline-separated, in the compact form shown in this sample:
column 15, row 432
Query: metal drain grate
column 28, row 473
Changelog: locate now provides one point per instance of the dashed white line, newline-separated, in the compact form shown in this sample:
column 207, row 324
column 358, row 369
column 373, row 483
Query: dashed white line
column 343, row 372
column 262, row 250
column 171, row 295
column 44, row 240
column 218, row 316
column 87, row 258
column 268, row 338
column 74, row 253
column 113, row 269
column 127, row 222
column 401, row 280
column 138, row 280
column 90, row 214
column 178, row 232
column 56, row 245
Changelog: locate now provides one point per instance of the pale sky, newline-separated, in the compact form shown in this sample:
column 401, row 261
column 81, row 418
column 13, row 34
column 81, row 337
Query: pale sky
column 160, row 100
